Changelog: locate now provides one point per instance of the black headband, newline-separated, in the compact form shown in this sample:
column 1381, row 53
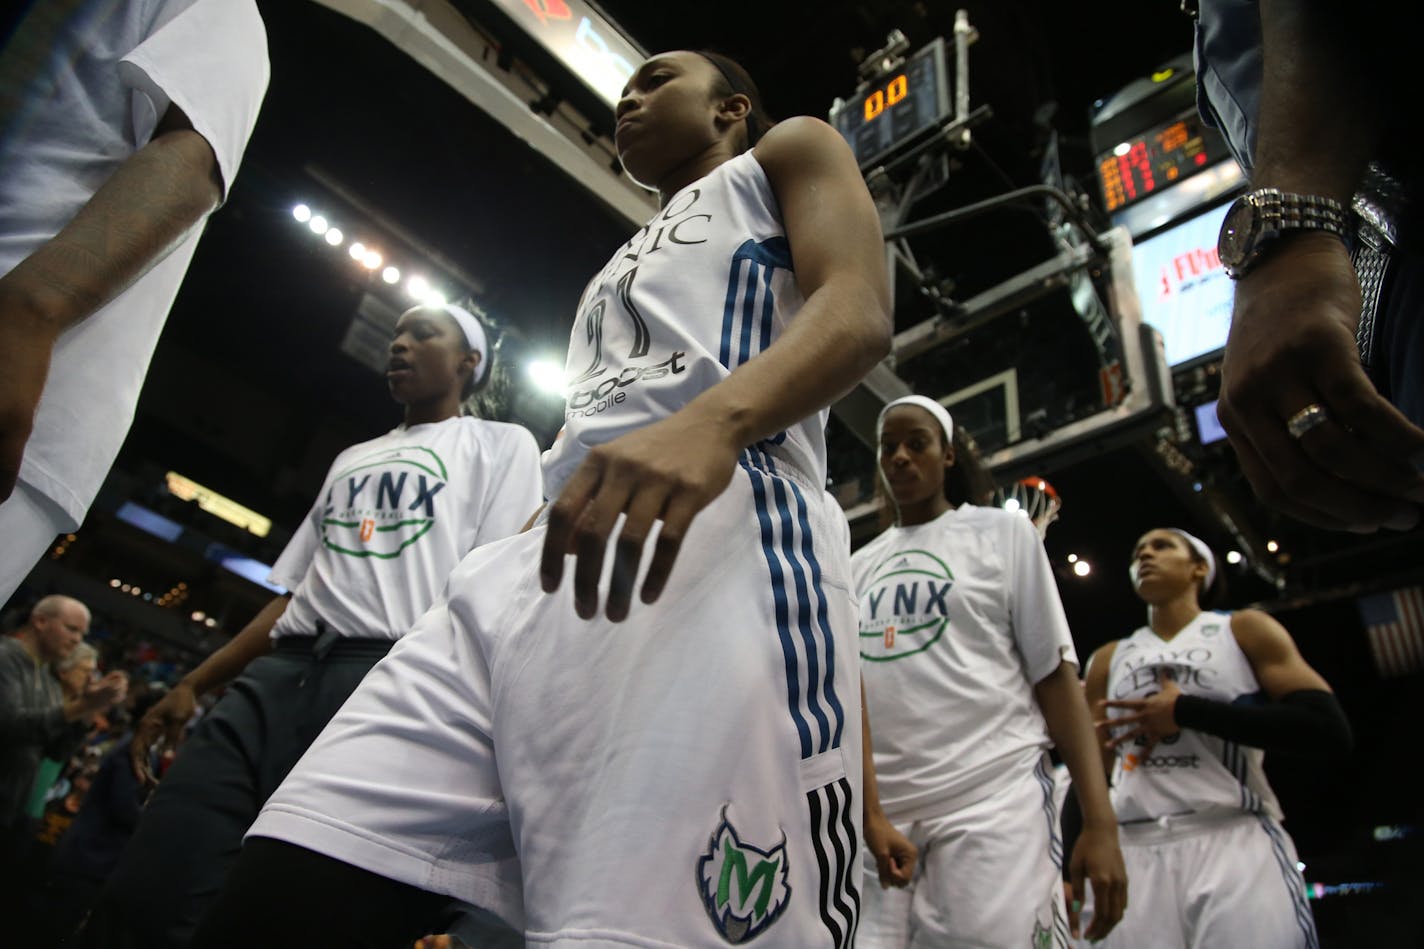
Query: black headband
column 740, row 86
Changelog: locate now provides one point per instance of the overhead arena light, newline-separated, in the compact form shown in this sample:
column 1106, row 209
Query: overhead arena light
column 357, row 251
column 547, row 376
column 371, row 259
column 417, row 287
column 302, row 213
column 1082, row 568
column 334, row 237
column 318, row 224
column 1233, row 557
column 390, row 274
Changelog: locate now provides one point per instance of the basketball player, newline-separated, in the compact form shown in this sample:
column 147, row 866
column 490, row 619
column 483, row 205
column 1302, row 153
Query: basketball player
column 395, row 516
column 683, row 771
column 970, row 677
column 1190, row 700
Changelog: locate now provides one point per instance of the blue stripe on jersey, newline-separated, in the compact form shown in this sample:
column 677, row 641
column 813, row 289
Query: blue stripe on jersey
column 1295, row 883
column 760, row 260
column 783, row 627
column 803, row 612
column 823, row 622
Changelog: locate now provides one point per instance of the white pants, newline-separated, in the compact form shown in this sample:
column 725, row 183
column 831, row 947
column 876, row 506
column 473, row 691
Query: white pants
column 1211, row 883
column 29, row 523
column 990, row 875
column 689, row 777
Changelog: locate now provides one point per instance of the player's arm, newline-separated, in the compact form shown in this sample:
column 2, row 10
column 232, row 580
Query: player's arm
column 169, row 715
column 1302, row 717
column 670, row 470
column 141, row 213
column 1095, row 690
column 894, row 854
column 1324, row 102
column 1096, row 855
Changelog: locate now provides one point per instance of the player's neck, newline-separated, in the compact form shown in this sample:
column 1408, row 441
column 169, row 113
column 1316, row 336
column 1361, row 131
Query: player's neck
column 437, row 410
column 914, row 513
column 1170, row 618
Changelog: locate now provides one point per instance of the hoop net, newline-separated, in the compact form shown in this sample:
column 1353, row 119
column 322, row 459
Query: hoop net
column 1032, row 497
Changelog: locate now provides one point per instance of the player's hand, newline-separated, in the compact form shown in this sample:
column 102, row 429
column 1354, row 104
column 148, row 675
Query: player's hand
column 1151, row 719
column 1075, row 910
column 1292, row 344
column 894, row 854
column 1098, row 859
column 25, row 351
column 667, row 471
column 163, row 723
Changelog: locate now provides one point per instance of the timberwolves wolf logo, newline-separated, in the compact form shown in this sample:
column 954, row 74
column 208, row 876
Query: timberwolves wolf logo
column 743, row 888
column 905, row 608
column 382, row 503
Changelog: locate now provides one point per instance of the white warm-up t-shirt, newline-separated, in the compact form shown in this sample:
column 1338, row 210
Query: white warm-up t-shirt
column 83, row 86
column 395, row 516
column 959, row 617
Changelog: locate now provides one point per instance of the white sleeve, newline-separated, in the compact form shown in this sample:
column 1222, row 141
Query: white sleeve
column 291, row 568
column 1035, row 610
column 210, row 60
column 516, row 486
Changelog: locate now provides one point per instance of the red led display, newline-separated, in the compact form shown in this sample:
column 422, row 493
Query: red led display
column 1138, row 167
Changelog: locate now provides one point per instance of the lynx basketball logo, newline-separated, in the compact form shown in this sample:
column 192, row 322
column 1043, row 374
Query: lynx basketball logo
column 743, row 888
column 905, row 609
column 382, row 503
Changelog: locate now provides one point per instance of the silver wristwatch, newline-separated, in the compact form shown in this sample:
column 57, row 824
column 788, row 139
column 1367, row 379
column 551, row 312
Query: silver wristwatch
column 1258, row 218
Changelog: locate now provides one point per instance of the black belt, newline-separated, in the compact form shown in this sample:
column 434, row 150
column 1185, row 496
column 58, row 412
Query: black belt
column 331, row 643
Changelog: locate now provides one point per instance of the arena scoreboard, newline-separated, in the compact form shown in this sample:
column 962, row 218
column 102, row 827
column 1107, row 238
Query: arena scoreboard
column 897, row 107
column 1157, row 159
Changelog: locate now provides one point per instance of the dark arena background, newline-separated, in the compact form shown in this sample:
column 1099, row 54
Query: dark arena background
column 1051, row 200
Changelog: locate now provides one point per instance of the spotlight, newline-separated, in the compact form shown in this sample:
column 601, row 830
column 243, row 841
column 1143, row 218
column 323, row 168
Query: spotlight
column 125, row 588
column 435, row 298
column 198, row 616
column 115, row 583
column 1233, row 556
column 371, row 259
column 1082, row 568
column 318, row 224
column 210, row 622
column 357, row 250
column 417, row 288
column 334, row 237
column 547, row 376
column 1272, row 546
column 1072, row 558
column 1011, row 505
column 302, row 213
column 390, row 275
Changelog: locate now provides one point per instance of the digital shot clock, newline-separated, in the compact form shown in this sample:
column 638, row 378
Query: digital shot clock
column 897, row 107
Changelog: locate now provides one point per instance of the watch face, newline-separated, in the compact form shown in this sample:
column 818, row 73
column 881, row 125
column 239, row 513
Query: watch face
column 1236, row 233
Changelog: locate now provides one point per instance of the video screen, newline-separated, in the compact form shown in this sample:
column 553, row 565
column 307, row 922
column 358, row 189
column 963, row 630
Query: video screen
column 1185, row 293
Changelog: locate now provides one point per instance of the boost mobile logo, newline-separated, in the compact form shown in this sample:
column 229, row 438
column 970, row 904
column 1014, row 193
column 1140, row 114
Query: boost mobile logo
column 382, row 503
column 743, row 888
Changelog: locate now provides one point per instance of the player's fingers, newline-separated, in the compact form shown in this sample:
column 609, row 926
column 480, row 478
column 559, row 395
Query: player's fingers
column 590, row 541
column 677, row 518
column 644, row 508
column 138, row 754
column 1268, row 489
column 565, row 512
column 1120, row 740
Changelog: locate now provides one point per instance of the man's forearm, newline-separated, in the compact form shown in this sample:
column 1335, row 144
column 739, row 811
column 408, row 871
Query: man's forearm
column 227, row 663
column 1321, row 112
column 140, row 214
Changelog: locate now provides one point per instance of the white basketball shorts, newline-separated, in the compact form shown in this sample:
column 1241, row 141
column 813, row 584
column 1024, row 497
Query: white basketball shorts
column 990, row 874
column 688, row 777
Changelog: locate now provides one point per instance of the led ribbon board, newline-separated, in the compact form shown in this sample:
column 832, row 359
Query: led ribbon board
column 577, row 35
column 1157, row 159
column 897, row 107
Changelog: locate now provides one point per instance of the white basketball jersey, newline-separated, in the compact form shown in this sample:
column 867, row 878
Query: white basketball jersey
column 959, row 618
column 395, row 516
column 701, row 288
column 1193, row 772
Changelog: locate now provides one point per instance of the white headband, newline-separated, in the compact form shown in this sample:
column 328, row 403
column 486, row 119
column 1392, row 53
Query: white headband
column 474, row 336
column 1203, row 551
column 940, row 413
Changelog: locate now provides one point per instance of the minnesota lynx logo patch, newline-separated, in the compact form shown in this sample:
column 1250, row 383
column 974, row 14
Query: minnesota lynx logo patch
column 743, row 887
